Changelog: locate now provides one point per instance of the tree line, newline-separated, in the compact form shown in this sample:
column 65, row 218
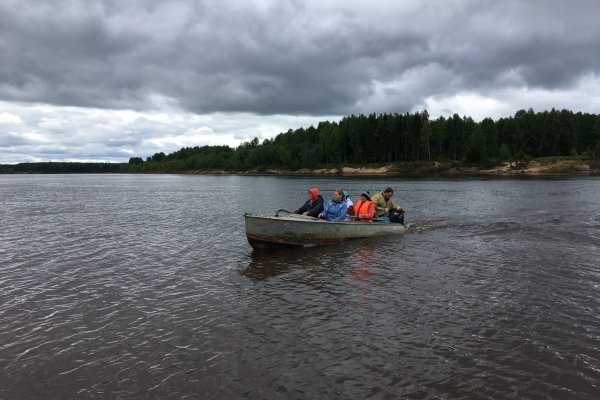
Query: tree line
column 393, row 138
column 376, row 139
column 62, row 168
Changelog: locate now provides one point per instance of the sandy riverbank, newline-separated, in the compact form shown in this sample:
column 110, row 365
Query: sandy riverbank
column 556, row 167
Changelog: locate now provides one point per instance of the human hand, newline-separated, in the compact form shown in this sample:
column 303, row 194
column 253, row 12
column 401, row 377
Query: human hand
column 305, row 213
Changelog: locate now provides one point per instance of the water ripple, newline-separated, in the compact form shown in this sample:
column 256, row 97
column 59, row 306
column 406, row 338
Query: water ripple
column 145, row 287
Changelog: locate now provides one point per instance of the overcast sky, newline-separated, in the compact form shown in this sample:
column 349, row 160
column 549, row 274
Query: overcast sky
column 108, row 80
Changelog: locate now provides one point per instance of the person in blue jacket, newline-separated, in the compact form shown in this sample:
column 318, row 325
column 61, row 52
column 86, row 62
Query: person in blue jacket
column 336, row 209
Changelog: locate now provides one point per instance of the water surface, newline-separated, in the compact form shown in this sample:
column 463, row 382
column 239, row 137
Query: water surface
column 127, row 286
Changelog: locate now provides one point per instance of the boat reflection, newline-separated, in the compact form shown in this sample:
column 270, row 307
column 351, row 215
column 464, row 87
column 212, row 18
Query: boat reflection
column 266, row 264
column 362, row 263
column 357, row 257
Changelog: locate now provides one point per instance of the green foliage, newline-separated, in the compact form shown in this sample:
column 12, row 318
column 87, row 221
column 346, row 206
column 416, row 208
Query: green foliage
column 476, row 152
column 595, row 152
column 504, row 152
column 62, row 168
column 136, row 160
column 426, row 133
column 522, row 156
column 574, row 153
column 158, row 157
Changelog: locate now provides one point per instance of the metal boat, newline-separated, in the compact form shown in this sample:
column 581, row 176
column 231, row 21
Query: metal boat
column 268, row 230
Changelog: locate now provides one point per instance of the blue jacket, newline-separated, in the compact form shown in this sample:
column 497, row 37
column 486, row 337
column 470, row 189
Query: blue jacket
column 335, row 211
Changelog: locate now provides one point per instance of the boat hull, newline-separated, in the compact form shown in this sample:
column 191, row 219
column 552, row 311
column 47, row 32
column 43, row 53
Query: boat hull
column 266, row 231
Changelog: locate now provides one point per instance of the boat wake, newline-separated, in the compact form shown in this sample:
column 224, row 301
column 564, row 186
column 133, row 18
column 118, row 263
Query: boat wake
column 418, row 227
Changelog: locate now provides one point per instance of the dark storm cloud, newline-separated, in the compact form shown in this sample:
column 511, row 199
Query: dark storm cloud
column 288, row 57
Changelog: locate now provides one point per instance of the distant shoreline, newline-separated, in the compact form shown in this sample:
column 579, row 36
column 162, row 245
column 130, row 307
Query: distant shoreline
column 546, row 167
column 533, row 168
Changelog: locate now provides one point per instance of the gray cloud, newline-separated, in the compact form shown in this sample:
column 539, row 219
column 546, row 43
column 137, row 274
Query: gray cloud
column 278, row 57
column 108, row 79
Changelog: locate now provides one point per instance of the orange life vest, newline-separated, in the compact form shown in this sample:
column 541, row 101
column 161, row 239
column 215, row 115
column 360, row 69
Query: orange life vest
column 365, row 210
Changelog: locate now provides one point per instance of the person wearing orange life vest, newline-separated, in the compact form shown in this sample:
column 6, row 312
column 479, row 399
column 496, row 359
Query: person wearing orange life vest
column 364, row 209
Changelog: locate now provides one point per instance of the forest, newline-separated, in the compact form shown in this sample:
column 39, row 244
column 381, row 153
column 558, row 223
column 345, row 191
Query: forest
column 394, row 138
column 62, row 168
column 375, row 139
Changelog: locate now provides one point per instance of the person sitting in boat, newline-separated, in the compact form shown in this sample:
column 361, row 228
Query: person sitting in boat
column 349, row 203
column 383, row 203
column 336, row 209
column 314, row 204
column 364, row 209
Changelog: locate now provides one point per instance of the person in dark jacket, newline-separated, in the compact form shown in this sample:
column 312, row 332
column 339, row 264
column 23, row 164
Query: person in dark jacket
column 313, row 206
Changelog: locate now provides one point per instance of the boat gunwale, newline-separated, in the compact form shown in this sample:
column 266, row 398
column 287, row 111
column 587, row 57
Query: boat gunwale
column 299, row 218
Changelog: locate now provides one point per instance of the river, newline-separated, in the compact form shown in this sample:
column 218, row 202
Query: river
column 144, row 286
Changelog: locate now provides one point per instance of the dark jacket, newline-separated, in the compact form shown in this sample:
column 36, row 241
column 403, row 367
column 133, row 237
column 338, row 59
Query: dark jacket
column 314, row 207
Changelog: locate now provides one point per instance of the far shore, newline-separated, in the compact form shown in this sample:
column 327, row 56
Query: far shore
column 541, row 167
column 533, row 168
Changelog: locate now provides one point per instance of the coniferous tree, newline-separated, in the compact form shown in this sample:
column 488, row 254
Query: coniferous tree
column 426, row 133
